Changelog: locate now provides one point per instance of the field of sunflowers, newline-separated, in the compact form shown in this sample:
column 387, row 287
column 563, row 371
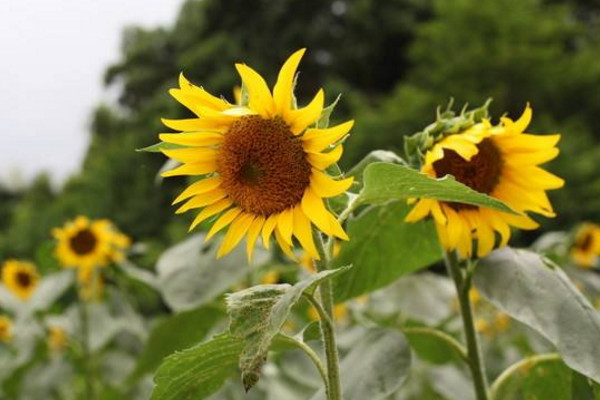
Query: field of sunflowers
column 322, row 200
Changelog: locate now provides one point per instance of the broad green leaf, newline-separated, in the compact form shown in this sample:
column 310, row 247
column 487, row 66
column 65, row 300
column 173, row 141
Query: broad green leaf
column 375, row 367
column 537, row 378
column 176, row 333
column 384, row 182
column 198, row 372
column 258, row 314
column 158, row 147
column 521, row 284
column 190, row 275
column 383, row 248
column 373, row 157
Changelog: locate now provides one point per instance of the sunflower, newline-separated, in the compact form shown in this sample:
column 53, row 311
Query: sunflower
column 586, row 247
column 500, row 161
column 20, row 277
column 262, row 164
column 57, row 339
column 5, row 329
column 86, row 244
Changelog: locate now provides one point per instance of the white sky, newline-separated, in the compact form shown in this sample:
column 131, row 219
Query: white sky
column 53, row 54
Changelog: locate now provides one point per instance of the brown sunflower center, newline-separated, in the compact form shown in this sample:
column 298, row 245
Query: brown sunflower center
column 83, row 242
column 263, row 165
column 24, row 279
column 481, row 173
column 585, row 242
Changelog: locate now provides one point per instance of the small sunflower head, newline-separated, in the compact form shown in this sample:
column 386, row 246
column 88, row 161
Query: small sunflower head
column 85, row 243
column 499, row 160
column 586, row 245
column 6, row 327
column 261, row 163
column 20, row 278
column 57, row 339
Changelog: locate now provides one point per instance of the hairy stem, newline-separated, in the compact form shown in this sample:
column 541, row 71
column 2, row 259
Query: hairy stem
column 314, row 357
column 475, row 360
column 334, row 391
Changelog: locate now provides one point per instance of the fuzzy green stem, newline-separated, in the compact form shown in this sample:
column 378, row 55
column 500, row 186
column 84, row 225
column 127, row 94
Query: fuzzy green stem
column 314, row 357
column 475, row 360
column 87, row 357
column 327, row 328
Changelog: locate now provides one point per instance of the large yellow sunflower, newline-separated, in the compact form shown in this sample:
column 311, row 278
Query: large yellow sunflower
column 20, row 278
column 86, row 244
column 5, row 329
column 501, row 161
column 586, row 247
column 262, row 164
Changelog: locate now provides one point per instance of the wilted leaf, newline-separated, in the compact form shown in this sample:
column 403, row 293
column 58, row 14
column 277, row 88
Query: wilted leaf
column 383, row 248
column 522, row 285
column 258, row 314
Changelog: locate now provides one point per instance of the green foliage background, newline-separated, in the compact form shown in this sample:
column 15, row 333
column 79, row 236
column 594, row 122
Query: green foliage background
column 394, row 61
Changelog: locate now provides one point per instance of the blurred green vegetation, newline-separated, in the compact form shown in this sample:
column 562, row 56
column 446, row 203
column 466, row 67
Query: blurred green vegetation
column 394, row 62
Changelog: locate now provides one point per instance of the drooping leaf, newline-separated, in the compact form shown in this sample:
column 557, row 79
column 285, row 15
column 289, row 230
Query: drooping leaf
column 383, row 248
column 375, row 367
column 198, row 372
column 258, row 314
column 176, row 333
column 139, row 274
column 385, row 156
column 520, row 283
column 384, row 182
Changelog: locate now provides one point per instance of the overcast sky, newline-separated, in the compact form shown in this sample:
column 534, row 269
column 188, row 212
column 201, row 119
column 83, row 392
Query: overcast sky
column 52, row 57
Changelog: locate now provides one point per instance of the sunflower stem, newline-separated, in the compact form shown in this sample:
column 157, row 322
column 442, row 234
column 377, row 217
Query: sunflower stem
column 334, row 389
column 87, row 357
column 475, row 360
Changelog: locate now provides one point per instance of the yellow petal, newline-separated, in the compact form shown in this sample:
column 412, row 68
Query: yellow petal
column 302, row 118
column 268, row 228
column 419, row 211
column 236, row 232
column 282, row 92
column 202, row 200
column 485, row 239
column 253, row 233
column 197, row 106
column 261, row 100
column 303, row 232
column 314, row 209
column 195, row 124
column 191, row 155
column 201, row 186
column 523, row 122
column 324, row 160
column 526, row 142
column 324, row 186
column 316, row 140
column 200, row 168
column 285, row 224
column 336, row 227
column 455, row 227
column 287, row 250
column 192, row 138
column 223, row 221
column 201, row 95
column 211, row 210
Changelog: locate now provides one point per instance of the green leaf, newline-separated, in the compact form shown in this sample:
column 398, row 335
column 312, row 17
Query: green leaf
column 383, row 248
column 176, row 333
column 521, row 284
column 158, row 147
column 375, row 367
column 384, row 182
column 198, row 372
column 536, row 378
column 139, row 274
column 258, row 314
column 323, row 121
column 373, row 157
column 190, row 275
